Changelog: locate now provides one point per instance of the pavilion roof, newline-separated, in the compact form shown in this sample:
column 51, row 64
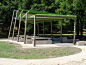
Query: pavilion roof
column 40, row 16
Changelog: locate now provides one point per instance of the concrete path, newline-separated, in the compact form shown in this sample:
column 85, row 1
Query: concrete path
column 76, row 59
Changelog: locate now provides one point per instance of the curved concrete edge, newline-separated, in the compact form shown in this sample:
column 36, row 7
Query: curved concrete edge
column 50, row 61
column 30, row 45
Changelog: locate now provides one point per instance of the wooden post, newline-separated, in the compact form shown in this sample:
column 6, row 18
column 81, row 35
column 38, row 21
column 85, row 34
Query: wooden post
column 11, row 24
column 14, row 25
column 74, row 31
column 51, row 29
column 43, row 29
column 34, row 41
column 25, row 30
column 38, row 28
column 61, row 33
column 19, row 26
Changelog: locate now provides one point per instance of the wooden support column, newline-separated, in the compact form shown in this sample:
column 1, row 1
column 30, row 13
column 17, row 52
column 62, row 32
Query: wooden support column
column 43, row 30
column 61, row 33
column 14, row 25
column 38, row 28
column 34, row 41
column 19, row 26
column 74, row 32
column 51, row 29
column 25, row 29
column 11, row 24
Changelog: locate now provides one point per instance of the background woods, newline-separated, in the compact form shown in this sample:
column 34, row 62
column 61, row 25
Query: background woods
column 73, row 7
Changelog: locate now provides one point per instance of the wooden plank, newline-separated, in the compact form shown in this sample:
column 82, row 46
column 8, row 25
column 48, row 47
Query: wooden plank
column 54, row 16
column 11, row 25
column 74, row 32
column 19, row 26
column 14, row 25
column 39, row 19
column 34, row 41
column 25, row 30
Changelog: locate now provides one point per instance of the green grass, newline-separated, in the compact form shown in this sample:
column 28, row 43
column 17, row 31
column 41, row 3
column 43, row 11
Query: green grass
column 15, row 51
column 56, row 35
column 60, row 34
column 84, row 34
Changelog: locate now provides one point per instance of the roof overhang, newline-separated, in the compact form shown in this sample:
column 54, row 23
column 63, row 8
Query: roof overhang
column 41, row 16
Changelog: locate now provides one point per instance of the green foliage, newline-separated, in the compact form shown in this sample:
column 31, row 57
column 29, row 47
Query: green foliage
column 66, row 7
column 29, row 27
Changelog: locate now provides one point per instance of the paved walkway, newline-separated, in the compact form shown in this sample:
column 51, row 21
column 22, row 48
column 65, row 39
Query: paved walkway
column 76, row 59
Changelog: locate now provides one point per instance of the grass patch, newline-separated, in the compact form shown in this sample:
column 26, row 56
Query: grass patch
column 15, row 51
column 84, row 34
column 55, row 34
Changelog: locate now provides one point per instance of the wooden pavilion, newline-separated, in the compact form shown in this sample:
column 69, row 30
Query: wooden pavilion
column 37, row 17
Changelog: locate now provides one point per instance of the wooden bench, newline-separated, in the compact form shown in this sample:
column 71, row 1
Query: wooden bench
column 69, row 40
column 40, row 40
column 81, row 43
column 21, row 38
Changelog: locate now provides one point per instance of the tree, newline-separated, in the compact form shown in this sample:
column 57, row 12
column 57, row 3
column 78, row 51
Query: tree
column 74, row 7
column 66, row 7
column 79, row 8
